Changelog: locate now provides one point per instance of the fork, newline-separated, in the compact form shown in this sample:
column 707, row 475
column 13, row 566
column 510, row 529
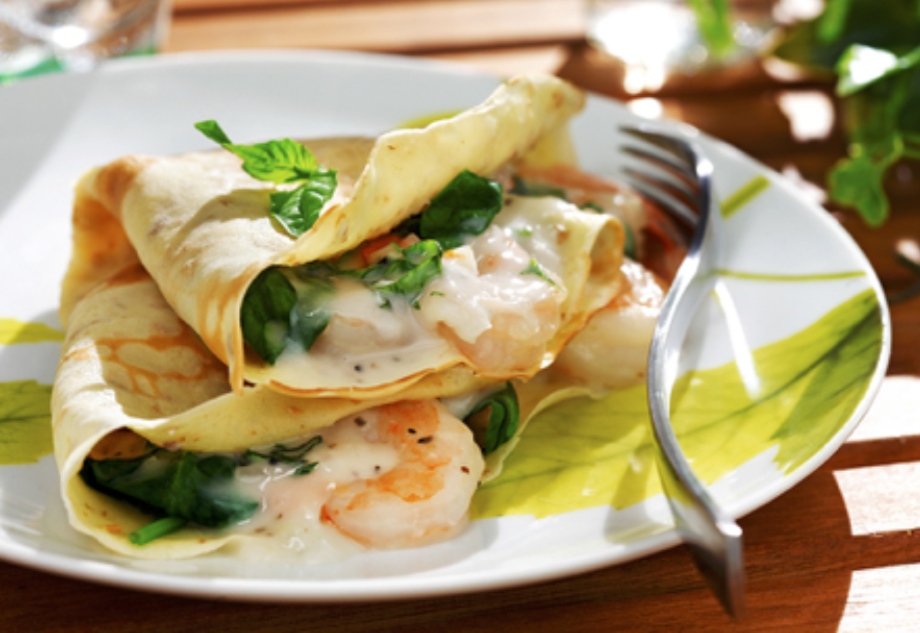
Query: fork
column 677, row 175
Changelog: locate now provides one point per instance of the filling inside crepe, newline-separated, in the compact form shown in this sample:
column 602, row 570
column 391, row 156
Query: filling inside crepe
column 396, row 475
column 478, row 271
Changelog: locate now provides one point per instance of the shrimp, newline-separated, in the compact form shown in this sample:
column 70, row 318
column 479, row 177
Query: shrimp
column 424, row 497
column 658, row 243
column 398, row 475
column 612, row 349
column 498, row 317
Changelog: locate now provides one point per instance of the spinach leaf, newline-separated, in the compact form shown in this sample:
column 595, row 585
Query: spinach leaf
column 407, row 275
column 281, row 162
column 181, row 485
column 464, row 208
column 504, row 417
column 311, row 314
column 293, row 455
column 265, row 316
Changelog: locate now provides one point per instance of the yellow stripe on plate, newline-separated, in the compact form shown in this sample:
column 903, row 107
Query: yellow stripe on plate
column 13, row 331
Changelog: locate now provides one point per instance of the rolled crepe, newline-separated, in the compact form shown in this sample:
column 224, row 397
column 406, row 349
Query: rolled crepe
column 201, row 227
column 130, row 364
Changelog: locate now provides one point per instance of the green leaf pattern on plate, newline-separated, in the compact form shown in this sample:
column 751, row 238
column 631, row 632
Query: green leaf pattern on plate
column 25, row 422
column 588, row 453
column 25, row 405
column 13, row 332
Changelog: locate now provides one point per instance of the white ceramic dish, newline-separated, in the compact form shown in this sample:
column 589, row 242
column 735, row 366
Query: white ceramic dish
column 799, row 312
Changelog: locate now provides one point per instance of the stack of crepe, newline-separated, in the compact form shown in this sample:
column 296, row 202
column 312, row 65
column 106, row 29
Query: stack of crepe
column 165, row 248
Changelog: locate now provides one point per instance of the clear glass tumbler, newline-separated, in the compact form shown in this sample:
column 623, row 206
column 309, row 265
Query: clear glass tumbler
column 38, row 36
column 654, row 39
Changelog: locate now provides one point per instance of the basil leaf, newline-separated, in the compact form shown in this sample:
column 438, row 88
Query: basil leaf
column 281, row 162
column 213, row 131
column 504, row 417
column 265, row 314
column 182, row 485
column 298, row 210
column 275, row 161
column 464, row 208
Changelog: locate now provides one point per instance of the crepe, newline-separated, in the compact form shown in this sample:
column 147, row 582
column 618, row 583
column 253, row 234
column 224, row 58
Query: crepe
column 129, row 363
column 165, row 249
column 200, row 226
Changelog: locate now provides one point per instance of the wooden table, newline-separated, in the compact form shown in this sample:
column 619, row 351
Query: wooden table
column 838, row 552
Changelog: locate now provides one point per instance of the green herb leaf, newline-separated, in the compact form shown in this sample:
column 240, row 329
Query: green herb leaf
column 181, row 485
column 534, row 268
column 311, row 313
column 407, row 277
column 464, row 208
column 405, row 273
column 281, row 162
column 213, row 131
column 265, row 316
column 504, row 417
column 293, row 455
column 157, row 529
column 275, row 161
column 298, row 210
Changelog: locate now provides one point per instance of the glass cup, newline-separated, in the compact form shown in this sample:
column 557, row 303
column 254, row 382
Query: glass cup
column 656, row 39
column 39, row 36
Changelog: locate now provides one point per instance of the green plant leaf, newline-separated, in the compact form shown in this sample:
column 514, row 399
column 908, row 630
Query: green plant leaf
column 714, row 22
column 587, row 453
column 25, row 422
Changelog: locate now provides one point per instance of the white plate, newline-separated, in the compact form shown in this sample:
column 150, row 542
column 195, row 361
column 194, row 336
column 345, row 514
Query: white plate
column 788, row 267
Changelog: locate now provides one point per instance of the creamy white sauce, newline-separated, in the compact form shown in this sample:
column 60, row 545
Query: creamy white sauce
column 484, row 286
column 333, row 511
column 289, row 521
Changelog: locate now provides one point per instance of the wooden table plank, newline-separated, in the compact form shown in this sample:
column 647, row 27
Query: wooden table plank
column 400, row 26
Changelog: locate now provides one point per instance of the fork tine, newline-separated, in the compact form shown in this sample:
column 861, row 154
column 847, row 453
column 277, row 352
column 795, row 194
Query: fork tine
column 678, row 168
column 665, row 142
column 680, row 202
